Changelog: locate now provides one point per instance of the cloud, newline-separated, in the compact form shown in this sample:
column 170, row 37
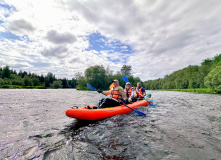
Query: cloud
column 58, row 51
column 20, row 25
column 60, row 38
column 73, row 60
column 154, row 37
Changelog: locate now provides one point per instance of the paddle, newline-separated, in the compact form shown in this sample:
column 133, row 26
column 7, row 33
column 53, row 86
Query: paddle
column 150, row 99
column 92, row 88
column 138, row 112
column 125, row 79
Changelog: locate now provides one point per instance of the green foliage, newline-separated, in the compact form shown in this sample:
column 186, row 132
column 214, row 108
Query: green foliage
column 56, row 84
column 198, row 90
column 96, row 75
column 1, row 81
column 65, row 83
column 126, row 70
column 31, row 80
column 40, row 87
column 189, row 77
column 28, row 81
column 10, row 86
column 7, row 81
column 85, row 88
column 81, row 80
column 213, row 79
column 6, row 72
column 29, row 87
column 101, row 78
column 35, row 81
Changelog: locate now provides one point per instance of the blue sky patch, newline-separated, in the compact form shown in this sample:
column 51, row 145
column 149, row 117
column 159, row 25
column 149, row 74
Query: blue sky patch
column 100, row 43
column 9, row 35
column 8, row 7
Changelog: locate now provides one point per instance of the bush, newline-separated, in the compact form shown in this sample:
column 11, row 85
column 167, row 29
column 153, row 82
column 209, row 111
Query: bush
column 29, row 87
column 7, row 81
column 5, row 86
column 1, row 81
column 10, row 86
column 56, row 84
column 40, row 87
column 213, row 79
column 82, row 88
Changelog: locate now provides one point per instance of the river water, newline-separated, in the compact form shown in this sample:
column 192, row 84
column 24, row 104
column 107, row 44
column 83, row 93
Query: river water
column 33, row 125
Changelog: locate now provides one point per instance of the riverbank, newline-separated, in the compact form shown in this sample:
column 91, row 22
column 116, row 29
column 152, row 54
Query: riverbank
column 5, row 86
column 197, row 90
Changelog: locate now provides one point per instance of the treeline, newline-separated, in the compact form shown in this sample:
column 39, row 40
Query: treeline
column 11, row 79
column 101, row 78
column 97, row 76
column 207, row 75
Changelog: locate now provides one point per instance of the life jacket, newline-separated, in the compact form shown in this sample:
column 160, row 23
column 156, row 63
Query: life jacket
column 139, row 91
column 115, row 94
column 128, row 92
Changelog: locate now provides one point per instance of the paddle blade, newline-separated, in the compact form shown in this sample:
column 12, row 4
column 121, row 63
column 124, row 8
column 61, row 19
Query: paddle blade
column 150, row 99
column 91, row 87
column 140, row 113
column 125, row 79
column 111, row 86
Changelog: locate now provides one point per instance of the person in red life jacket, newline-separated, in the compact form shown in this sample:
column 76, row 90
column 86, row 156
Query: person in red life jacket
column 117, row 96
column 129, row 91
column 140, row 92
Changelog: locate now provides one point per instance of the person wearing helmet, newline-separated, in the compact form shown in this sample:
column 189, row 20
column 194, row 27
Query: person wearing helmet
column 117, row 96
column 129, row 92
column 140, row 92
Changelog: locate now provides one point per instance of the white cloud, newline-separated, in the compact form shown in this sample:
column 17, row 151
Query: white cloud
column 164, row 35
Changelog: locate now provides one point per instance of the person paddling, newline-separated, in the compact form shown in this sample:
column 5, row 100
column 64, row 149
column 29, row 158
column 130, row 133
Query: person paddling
column 129, row 91
column 117, row 96
column 140, row 92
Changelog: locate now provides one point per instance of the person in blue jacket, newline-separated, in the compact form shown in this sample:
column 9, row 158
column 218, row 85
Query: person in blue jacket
column 140, row 92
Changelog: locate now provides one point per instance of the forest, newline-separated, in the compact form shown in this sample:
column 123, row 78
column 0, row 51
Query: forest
column 11, row 79
column 98, row 76
column 207, row 75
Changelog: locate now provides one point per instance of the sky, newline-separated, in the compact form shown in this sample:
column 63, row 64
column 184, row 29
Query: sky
column 155, row 37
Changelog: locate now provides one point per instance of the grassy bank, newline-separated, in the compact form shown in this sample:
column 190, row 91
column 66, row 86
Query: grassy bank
column 21, row 87
column 85, row 88
column 197, row 90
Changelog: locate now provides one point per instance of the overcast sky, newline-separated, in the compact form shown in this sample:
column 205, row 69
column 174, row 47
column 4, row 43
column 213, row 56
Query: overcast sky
column 155, row 37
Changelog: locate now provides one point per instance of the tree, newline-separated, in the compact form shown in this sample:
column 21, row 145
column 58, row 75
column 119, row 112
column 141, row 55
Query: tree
column 96, row 76
column 6, row 73
column 213, row 79
column 1, row 81
column 7, row 81
column 28, row 81
column 49, row 79
column 64, row 83
column 126, row 70
column 73, row 83
column 56, row 84
column 35, row 81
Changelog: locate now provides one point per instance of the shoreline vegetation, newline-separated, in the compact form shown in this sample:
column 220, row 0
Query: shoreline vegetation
column 194, row 90
column 205, row 78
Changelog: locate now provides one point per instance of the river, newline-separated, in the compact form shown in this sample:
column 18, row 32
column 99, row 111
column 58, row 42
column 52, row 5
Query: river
column 33, row 125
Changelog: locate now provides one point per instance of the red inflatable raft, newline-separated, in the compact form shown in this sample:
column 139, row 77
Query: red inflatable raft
column 97, row 114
